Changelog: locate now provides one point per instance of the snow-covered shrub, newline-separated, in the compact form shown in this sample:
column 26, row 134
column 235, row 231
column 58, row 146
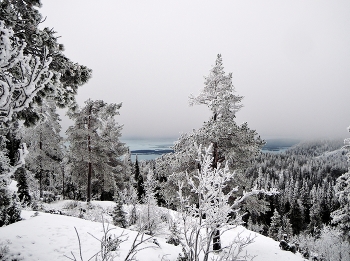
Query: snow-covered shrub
column 72, row 204
column 149, row 219
column 201, row 223
column 6, row 254
column 48, row 197
column 10, row 208
column 174, row 237
column 37, row 205
column 330, row 245
column 256, row 227
column 4, row 250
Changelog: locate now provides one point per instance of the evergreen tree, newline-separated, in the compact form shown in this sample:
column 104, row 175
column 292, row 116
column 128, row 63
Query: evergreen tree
column 296, row 218
column 237, row 145
column 22, row 185
column 139, row 181
column 287, row 227
column 53, row 73
column 150, row 201
column 95, row 149
column 44, row 143
column 119, row 215
column 275, row 225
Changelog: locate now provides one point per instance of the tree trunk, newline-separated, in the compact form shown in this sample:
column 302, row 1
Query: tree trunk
column 62, row 182
column 89, row 184
column 90, row 167
column 40, row 168
column 217, row 241
column 216, row 237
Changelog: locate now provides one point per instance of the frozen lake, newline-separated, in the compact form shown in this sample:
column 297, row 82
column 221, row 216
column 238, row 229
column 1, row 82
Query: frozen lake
column 147, row 149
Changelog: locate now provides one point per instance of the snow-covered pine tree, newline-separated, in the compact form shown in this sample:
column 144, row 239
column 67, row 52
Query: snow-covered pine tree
column 44, row 143
column 275, row 225
column 22, row 185
column 150, row 213
column 131, row 198
column 110, row 134
column 287, row 227
column 118, row 214
column 94, row 145
column 127, row 169
column 235, row 144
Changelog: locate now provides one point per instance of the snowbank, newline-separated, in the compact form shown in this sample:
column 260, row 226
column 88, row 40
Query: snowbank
column 51, row 237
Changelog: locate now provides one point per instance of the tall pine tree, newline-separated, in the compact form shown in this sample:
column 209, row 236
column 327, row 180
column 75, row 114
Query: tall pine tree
column 233, row 143
column 94, row 145
column 44, row 143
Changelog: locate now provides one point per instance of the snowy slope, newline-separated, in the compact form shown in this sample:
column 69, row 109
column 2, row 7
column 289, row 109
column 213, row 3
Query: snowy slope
column 50, row 237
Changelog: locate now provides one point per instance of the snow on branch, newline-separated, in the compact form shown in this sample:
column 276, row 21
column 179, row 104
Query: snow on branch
column 253, row 192
column 21, row 76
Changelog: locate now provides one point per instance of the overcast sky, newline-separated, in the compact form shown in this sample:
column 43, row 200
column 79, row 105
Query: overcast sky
column 289, row 59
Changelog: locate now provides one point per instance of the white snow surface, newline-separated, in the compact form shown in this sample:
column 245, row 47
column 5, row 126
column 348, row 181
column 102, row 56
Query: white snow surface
column 52, row 237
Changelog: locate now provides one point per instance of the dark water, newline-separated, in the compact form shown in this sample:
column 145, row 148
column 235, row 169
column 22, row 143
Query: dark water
column 147, row 149
column 278, row 145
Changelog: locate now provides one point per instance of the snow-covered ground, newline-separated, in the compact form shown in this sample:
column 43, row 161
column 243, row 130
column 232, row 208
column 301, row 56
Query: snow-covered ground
column 53, row 237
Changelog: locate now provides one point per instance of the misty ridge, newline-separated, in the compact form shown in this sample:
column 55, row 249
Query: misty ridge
column 216, row 191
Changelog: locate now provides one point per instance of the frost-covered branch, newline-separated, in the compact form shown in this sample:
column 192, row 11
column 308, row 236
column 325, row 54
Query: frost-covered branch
column 21, row 76
column 251, row 193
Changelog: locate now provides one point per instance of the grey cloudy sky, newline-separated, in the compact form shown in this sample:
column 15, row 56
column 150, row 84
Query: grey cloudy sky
column 289, row 59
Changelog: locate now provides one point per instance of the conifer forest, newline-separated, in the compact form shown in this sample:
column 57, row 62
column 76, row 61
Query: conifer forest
column 215, row 179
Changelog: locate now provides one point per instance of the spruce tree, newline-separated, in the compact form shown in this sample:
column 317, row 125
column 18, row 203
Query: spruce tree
column 275, row 225
column 22, row 185
column 287, row 227
column 296, row 216
column 139, row 181
column 119, row 215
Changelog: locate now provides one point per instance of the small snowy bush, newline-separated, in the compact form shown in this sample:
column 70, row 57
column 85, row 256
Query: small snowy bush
column 10, row 208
